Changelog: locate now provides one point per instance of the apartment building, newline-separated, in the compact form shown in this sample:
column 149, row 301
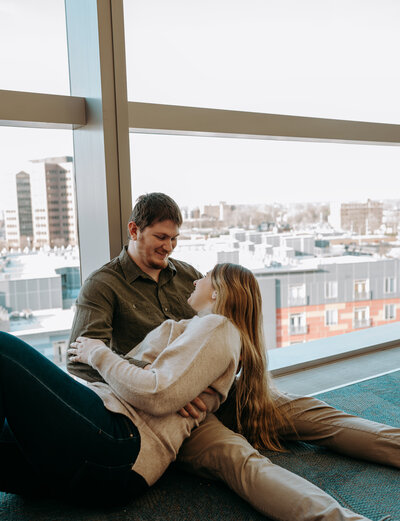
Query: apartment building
column 357, row 217
column 333, row 297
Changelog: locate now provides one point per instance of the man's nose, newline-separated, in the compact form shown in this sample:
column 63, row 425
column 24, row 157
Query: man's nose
column 168, row 245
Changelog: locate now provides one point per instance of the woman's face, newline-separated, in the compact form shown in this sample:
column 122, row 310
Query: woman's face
column 203, row 296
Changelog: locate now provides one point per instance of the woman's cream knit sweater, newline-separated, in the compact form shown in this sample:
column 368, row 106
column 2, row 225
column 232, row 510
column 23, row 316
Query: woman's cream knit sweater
column 186, row 357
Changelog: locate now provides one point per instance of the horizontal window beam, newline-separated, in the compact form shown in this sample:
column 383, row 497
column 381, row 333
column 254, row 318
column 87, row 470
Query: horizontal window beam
column 53, row 111
column 29, row 109
column 173, row 119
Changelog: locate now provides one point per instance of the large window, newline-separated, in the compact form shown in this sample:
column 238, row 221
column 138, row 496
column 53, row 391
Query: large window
column 316, row 221
column 39, row 262
column 331, row 59
column 310, row 205
column 265, row 204
column 33, row 46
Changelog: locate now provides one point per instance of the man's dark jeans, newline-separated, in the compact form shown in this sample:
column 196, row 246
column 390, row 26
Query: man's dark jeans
column 57, row 435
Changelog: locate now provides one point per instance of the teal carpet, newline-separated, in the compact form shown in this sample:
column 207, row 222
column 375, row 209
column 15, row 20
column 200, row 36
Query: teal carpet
column 372, row 490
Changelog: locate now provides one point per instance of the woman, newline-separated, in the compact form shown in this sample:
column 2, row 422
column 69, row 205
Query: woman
column 111, row 440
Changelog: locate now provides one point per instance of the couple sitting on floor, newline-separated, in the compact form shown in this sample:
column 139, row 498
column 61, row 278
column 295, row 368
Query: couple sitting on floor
column 112, row 438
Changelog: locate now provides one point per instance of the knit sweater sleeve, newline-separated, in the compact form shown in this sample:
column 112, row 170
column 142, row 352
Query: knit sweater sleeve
column 205, row 354
column 155, row 341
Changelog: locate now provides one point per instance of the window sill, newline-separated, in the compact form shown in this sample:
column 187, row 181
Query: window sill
column 297, row 357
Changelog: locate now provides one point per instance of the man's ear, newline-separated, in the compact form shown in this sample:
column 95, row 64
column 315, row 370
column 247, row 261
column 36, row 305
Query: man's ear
column 133, row 230
column 214, row 295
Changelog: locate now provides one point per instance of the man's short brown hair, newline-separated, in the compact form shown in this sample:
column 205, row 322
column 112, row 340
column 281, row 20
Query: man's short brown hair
column 153, row 208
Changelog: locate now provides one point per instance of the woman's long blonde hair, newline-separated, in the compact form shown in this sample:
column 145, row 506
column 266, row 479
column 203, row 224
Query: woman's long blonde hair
column 239, row 299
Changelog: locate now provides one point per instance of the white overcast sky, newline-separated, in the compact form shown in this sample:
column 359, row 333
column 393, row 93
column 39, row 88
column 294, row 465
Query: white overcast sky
column 327, row 58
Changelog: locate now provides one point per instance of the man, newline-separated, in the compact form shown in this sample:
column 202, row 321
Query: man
column 131, row 295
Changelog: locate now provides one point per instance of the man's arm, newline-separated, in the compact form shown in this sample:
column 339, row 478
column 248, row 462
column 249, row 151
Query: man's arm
column 93, row 319
column 95, row 308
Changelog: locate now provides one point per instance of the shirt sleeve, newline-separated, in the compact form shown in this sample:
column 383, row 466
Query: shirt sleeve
column 94, row 312
column 93, row 319
column 203, row 355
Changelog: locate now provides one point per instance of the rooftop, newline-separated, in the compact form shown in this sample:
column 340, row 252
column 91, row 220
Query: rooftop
column 37, row 264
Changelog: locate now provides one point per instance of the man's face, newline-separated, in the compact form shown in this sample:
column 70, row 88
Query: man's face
column 154, row 244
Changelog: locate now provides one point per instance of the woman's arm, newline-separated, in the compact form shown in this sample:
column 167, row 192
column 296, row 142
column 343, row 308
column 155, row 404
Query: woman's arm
column 155, row 341
column 205, row 354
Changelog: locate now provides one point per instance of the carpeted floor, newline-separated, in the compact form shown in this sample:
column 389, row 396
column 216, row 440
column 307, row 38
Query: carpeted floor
column 370, row 489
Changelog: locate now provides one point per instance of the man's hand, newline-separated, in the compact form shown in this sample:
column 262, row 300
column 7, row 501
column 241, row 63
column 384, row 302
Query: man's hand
column 192, row 408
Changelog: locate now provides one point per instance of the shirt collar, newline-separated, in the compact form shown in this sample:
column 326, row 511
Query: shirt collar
column 132, row 271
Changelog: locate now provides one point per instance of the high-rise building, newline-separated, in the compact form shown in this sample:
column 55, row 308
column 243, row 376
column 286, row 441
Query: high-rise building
column 24, row 202
column 45, row 213
column 60, row 201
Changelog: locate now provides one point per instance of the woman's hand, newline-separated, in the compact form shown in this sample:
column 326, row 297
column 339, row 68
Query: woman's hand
column 82, row 347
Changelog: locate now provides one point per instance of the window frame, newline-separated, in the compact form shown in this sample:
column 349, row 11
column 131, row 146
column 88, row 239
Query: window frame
column 328, row 284
column 392, row 315
column 301, row 298
column 366, row 322
column 302, row 327
column 362, row 295
column 327, row 322
column 389, row 290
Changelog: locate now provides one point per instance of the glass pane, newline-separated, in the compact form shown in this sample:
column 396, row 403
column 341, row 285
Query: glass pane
column 33, row 46
column 39, row 255
column 334, row 59
column 316, row 222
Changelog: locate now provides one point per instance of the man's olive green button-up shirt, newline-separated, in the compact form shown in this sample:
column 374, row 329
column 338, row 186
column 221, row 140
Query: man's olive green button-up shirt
column 120, row 304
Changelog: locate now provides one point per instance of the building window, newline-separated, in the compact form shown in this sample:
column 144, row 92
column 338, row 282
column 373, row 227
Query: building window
column 331, row 289
column 297, row 324
column 390, row 311
column 297, row 295
column 361, row 317
column 331, row 317
column 361, row 289
column 390, row 285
